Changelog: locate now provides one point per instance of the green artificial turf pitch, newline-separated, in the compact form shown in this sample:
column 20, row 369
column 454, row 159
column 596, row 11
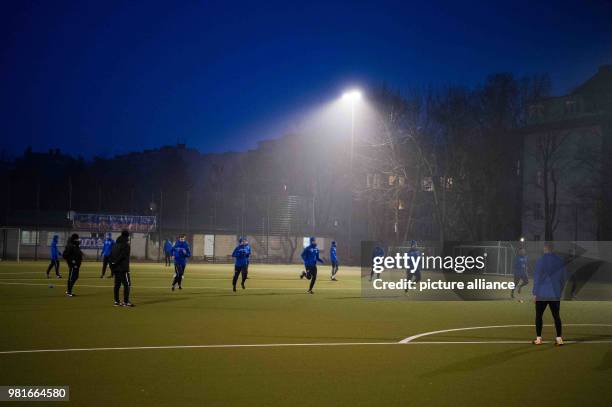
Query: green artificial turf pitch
column 469, row 367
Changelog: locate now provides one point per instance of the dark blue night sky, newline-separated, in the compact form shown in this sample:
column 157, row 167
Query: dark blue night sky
column 98, row 78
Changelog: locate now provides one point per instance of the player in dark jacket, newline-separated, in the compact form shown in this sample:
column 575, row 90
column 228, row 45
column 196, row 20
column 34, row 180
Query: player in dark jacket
column 310, row 255
column 548, row 283
column 73, row 256
column 106, row 251
column 414, row 253
column 520, row 271
column 241, row 254
column 181, row 253
column 120, row 267
column 55, row 253
column 333, row 258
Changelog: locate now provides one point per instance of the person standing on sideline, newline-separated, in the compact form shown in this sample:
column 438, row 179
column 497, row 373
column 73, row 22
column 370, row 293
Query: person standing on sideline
column 181, row 253
column 310, row 255
column 520, row 271
column 106, row 251
column 55, row 253
column 414, row 273
column 73, row 256
column 241, row 254
column 120, row 268
column 168, row 252
column 333, row 258
column 548, row 282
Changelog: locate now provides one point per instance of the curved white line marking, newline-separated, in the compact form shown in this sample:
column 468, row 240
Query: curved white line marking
column 417, row 336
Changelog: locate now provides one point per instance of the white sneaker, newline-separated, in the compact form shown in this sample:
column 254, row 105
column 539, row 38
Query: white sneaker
column 537, row 341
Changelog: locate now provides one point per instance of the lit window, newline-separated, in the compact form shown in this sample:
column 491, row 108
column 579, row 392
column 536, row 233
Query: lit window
column 427, row 184
column 29, row 237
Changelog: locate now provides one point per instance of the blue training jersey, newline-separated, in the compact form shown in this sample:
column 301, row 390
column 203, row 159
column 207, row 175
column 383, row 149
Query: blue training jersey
column 520, row 266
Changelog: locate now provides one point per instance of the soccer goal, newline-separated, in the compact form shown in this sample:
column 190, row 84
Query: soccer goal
column 499, row 255
column 10, row 244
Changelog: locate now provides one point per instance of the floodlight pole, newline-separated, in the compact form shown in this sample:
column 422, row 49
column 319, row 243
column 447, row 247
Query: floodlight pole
column 352, row 153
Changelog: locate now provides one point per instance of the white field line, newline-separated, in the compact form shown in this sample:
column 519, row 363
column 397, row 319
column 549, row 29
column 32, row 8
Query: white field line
column 319, row 344
column 410, row 339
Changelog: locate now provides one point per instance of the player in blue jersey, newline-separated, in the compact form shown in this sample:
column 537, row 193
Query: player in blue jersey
column 333, row 258
column 106, row 251
column 520, row 271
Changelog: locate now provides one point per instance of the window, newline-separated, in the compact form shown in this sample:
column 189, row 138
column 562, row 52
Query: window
column 448, row 182
column 536, row 111
column 401, row 204
column 427, row 184
column 537, row 211
column 29, row 237
column 571, row 106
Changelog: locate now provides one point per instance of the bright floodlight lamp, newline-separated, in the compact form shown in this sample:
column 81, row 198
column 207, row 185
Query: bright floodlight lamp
column 352, row 95
column 522, row 239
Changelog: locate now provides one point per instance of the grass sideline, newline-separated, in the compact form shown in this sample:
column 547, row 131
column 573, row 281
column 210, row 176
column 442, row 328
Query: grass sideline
column 275, row 310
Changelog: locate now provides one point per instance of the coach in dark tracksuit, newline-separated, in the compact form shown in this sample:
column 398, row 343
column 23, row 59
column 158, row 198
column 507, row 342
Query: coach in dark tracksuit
column 181, row 253
column 73, row 256
column 120, row 266
column 106, row 251
column 54, row 263
column 310, row 255
column 548, row 282
column 241, row 254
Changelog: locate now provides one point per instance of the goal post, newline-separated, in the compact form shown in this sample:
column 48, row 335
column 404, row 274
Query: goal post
column 10, row 244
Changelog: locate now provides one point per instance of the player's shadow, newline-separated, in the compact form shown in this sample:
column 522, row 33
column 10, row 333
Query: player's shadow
column 164, row 300
column 484, row 361
column 251, row 294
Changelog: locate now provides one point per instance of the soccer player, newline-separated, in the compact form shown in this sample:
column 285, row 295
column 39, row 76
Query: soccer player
column 520, row 271
column 106, row 251
column 248, row 249
column 180, row 252
column 310, row 255
column 120, row 268
column 333, row 257
column 548, row 282
column 241, row 254
column 377, row 252
column 73, row 256
column 168, row 252
column 54, row 263
column 414, row 253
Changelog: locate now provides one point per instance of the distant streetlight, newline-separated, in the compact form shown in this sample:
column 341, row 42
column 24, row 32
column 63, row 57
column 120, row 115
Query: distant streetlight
column 351, row 96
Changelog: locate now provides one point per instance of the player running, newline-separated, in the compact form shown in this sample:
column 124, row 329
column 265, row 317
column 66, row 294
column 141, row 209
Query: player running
column 520, row 271
column 548, row 282
column 168, row 252
column 310, row 255
column 181, row 253
column 73, row 256
column 241, row 254
column 414, row 253
column 106, row 251
column 333, row 257
column 55, row 253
